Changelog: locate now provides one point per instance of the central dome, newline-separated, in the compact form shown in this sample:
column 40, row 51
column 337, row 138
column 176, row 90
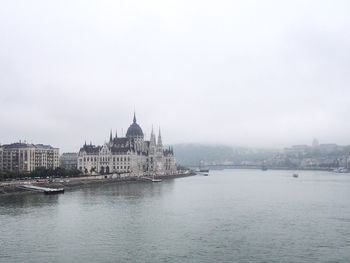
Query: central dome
column 134, row 130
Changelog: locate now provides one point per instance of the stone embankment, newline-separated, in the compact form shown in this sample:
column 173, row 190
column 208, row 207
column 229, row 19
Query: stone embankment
column 71, row 183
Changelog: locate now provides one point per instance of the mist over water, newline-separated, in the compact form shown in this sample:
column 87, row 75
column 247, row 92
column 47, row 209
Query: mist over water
column 248, row 73
column 229, row 216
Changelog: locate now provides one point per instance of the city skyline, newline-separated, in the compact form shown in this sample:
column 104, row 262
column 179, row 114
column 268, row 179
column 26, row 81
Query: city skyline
column 101, row 142
column 121, row 132
column 241, row 73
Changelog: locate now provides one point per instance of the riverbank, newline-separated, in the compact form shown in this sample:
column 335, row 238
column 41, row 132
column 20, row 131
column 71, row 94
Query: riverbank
column 9, row 188
column 257, row 167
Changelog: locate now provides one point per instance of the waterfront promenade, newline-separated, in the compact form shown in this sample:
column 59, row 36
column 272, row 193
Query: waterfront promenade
column 13, row 187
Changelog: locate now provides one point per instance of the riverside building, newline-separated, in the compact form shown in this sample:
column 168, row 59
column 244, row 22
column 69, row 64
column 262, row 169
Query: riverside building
column 69, row 160
column 130, row 154
column 24, row 157
column 1, row 154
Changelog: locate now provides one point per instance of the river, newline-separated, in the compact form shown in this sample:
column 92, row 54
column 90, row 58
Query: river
column 228, row 216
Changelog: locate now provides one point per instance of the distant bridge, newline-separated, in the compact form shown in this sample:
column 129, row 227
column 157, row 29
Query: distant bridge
column 229, row 166
column 239, row 166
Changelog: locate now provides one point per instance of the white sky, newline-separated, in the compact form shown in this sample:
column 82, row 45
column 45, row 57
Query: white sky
column 248, row 73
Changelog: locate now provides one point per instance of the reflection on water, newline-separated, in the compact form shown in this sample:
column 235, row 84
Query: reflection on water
column 25, row 203
column 230, row 216
column 132, row 190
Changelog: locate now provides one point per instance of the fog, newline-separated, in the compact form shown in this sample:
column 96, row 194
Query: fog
column 245, row 73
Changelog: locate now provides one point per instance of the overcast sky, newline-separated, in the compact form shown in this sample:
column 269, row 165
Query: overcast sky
column 246, row 73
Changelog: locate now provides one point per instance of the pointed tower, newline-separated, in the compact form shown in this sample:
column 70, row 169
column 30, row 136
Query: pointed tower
column 110, row 137
column 152, row 143
column 159, row 143
column 134, row 120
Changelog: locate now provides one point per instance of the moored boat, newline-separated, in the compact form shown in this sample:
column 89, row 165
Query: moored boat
column 154, row 180
column 202, row 168
column 54, row 191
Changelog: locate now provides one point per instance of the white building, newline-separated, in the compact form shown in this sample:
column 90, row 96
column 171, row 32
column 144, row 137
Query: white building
column 130, row 154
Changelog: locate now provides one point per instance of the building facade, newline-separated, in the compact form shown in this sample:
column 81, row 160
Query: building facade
column 69, row 160
column 130, row 154
column 1, row 158
column 24, row 157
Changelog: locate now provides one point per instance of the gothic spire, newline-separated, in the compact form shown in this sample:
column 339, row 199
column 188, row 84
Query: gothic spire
column 134, row 117
column 152, row 133
column 153, row 139
column 159, row 142
column 116, row 133
column 110, row 136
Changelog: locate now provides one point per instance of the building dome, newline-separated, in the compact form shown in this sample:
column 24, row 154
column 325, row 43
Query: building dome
column 134, row 130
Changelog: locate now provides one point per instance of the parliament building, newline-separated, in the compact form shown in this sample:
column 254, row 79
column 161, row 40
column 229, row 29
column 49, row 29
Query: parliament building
column 131, row 154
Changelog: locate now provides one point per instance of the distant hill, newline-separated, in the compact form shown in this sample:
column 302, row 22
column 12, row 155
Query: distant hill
column 192, row 154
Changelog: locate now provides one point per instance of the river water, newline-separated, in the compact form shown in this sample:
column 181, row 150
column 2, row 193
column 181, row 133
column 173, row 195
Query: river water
column 229, row 216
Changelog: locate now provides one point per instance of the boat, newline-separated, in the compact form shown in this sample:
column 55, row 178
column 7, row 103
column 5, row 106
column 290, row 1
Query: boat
column 201, row 169
column 204, row 172
column 341, row 170
column 155, row 180
column 295, row 175
column 54, row 191
column 45, row 190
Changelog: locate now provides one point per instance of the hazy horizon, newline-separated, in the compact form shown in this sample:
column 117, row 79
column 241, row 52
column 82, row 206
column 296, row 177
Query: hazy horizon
column 245, row 73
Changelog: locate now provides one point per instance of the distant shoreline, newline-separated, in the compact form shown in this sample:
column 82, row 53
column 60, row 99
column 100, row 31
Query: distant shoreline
column 222, row 167
column 11, row 188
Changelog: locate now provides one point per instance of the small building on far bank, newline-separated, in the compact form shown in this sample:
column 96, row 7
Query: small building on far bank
column 69, row 160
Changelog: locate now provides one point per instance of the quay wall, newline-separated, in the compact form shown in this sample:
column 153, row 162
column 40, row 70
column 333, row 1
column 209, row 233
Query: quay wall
column 7, row 188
